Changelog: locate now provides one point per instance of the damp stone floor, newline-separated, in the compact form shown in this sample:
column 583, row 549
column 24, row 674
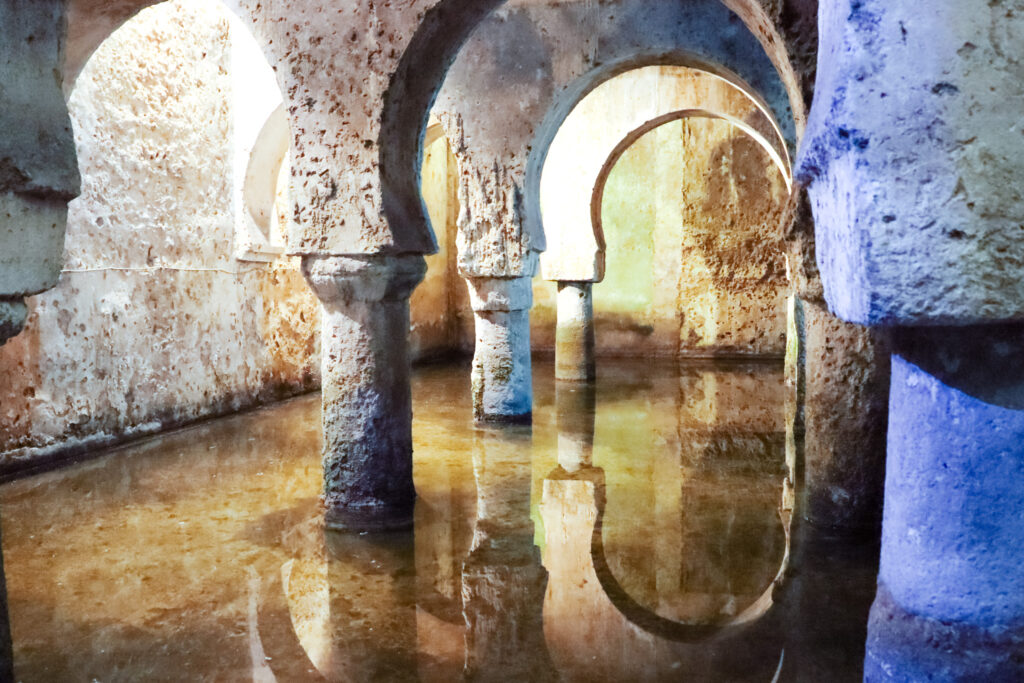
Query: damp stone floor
column 636, row 532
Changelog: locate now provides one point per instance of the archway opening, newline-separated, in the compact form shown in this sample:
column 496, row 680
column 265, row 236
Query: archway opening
column 673, row 217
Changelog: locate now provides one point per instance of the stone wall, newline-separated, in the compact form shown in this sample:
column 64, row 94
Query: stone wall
column 155, row 321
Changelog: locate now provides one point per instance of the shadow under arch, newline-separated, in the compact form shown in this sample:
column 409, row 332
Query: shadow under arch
column 597, row 197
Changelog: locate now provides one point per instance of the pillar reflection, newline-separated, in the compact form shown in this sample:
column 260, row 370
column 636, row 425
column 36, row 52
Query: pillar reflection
column 503, row 582
column 352, row 601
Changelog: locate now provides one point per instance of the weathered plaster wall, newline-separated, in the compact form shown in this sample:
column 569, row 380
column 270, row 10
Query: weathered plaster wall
column 695, row 261
column 156, row 321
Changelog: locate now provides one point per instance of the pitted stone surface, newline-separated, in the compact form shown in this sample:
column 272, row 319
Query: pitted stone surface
column 912, row 141
column 367, row 404
column 846, row 399
column 154, row 323
column 500, row 294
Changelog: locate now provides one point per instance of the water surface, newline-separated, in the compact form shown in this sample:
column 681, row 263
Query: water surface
column 636, row 532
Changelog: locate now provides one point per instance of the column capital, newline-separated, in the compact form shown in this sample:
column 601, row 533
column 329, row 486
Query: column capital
column 500, row 294
column 366, row 278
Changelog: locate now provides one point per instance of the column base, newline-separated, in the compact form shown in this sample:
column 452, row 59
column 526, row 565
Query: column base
column 907, row 647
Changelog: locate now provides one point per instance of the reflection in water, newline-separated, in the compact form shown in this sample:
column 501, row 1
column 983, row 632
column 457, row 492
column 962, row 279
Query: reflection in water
column 503, row 581
column 596, row 546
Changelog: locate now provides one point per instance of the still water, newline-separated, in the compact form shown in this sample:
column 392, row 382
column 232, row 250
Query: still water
column 639, row 531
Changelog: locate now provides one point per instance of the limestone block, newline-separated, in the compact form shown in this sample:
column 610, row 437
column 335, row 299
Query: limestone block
column 911, row 153
column 38, row 169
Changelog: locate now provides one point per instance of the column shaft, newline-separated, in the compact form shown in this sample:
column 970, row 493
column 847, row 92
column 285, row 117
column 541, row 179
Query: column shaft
column 502, row 379
column 950, row 603
column 367, row 402
column 574, row 338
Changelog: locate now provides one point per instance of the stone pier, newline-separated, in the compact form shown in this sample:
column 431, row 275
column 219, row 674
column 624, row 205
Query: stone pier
column 950, row 602
column 502, row 381
column 367, row 402
column 574, row 341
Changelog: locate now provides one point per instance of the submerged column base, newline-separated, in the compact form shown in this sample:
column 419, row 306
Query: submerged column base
column 907, row 647
column 502, row 381
column 574, row 338
column 367, row 400
column 950, row 601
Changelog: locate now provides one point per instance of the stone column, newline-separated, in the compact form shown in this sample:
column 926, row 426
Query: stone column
column 846, row 396
column 950, row 601
column 574, row 338
column 502, row 381
column 367, row 402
